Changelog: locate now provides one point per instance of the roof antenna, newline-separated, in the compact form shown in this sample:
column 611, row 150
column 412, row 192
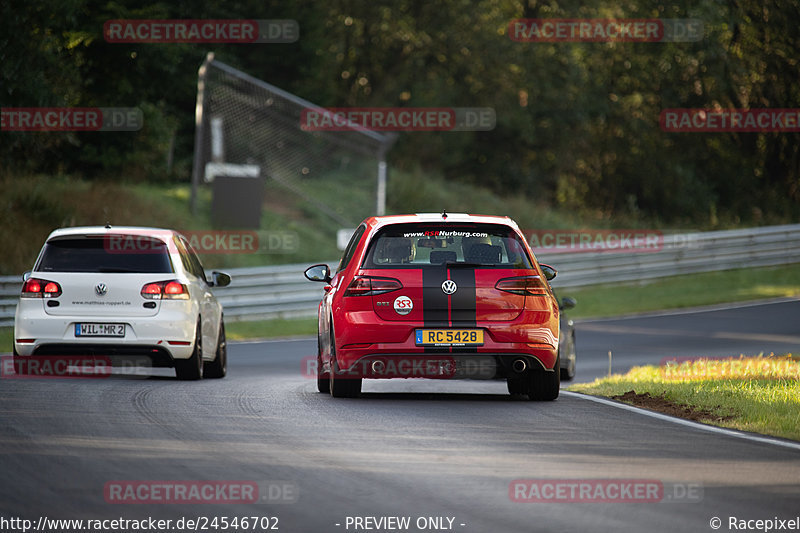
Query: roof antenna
column 444, row 214
column 108, row 225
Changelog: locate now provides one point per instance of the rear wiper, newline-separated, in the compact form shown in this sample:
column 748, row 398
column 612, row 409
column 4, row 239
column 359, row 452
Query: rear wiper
column 118, row 270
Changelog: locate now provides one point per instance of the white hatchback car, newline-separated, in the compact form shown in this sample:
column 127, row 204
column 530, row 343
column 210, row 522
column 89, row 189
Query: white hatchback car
column 123, row 292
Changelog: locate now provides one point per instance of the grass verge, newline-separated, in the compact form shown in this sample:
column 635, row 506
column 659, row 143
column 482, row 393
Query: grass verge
column 265, row 329
column 6, row 338
column 684, row 291
column 758, row 394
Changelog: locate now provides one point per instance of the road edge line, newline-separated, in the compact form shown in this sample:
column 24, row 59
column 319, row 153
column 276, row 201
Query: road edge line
column 688, row 423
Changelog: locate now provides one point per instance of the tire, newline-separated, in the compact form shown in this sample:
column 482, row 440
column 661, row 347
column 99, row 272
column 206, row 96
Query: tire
column 342, row 386
column 192, row 369
column 323, row 378
column 544, row 386
column 218, row 368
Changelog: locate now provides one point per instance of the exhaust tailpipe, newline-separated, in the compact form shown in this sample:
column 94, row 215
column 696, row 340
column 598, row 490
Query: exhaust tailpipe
column 519, row 365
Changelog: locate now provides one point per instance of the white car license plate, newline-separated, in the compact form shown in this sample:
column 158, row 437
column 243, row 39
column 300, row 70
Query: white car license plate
column 92, row 329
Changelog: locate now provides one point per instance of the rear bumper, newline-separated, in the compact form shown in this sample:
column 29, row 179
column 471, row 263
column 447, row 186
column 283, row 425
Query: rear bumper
column 127, row 355
column 163, row 338
column 356, row 350
column 443, row 366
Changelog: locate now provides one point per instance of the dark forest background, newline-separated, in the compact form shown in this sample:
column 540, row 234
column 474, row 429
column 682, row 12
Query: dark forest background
column 577, row 123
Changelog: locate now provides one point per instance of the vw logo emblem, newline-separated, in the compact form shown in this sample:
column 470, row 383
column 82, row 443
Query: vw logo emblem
column 101, row 289
column 449, row 286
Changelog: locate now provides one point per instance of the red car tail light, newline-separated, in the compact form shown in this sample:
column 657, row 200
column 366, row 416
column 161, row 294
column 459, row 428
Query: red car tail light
column 40, row 288
column 165, row 290
column 523, row 285
column 369, row 286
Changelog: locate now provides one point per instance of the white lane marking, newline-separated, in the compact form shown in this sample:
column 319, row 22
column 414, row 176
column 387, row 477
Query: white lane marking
column 683, row 422
column 691, row 310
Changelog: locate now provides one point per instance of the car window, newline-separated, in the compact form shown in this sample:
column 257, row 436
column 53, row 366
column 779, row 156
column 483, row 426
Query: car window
column 197, row 266
column 351, row 247
column 191, row 263
column 106, row 253
column 438, row 244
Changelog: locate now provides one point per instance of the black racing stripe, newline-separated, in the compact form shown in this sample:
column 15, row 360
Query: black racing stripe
column 434, row 302
column 463, row 303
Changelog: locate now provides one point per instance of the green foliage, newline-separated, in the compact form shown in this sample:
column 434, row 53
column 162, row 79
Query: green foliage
column 577, row 123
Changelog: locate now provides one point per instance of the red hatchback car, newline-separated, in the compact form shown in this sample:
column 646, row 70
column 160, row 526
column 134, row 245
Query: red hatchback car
column 443, row 296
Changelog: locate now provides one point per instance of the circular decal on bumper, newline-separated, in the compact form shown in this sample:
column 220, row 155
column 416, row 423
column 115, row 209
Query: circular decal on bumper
column 403, row 305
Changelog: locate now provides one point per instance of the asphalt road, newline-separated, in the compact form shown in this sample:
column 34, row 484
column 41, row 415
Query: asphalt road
column 721, row 331
column 407, row 448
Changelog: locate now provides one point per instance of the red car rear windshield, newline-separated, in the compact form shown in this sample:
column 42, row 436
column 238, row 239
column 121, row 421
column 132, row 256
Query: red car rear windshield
column 417, row 245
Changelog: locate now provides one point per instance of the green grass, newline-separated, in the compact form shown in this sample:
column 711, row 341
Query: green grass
column 6, row 338
column 266, row 329
column 684, row 291
column 765, row 399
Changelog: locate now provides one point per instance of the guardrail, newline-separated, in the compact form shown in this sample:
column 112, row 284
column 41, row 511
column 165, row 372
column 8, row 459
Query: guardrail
column 260, row 293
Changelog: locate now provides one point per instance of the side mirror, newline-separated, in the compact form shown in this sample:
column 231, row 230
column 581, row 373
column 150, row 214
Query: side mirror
column 220, row 279
column 567, row 303
column 549, row 272
column 25, row 276
column 318, row 273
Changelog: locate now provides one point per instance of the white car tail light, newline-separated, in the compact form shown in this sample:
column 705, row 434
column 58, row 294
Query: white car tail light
column 165, row 290
column 40, row 288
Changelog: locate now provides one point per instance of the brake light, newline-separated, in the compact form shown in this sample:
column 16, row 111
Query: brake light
column 165, row 290
column 173, row 287
column 523, row 285
column 40, row 288
column 52, row 288
column 151, row 288
column 370, row 286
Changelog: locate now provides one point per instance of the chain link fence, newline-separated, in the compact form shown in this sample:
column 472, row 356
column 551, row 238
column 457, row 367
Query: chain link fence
column 246, row 127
